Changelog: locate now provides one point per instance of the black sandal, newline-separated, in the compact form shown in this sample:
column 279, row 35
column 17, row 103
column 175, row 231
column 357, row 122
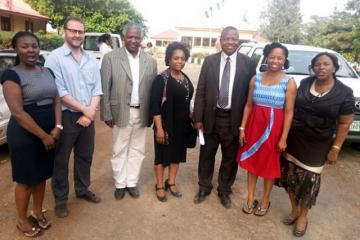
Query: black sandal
column 163, row 198
column 168, row 187
column 249, row 209
column 34, row 231
column 42, row 223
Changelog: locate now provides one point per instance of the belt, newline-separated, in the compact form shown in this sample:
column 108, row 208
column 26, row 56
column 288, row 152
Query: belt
column 222, row 110
column 137, row 107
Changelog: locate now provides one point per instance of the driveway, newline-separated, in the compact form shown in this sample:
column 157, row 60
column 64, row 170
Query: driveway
column 336, row 215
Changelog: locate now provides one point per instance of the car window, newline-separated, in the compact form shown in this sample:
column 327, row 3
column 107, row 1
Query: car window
column 245, row 49
column 300, row 62
column 255, row 57
column 115, row 42
column 6, row 62
column 345, row 70
column 90, row 43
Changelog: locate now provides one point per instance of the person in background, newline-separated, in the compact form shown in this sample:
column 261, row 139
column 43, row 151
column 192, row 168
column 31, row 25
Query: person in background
column 170, row 98
column 77, row 77
column 127, row 74
column 105, row 46
column 265, row 125
column 323, row 106
column 219, row 102
column 149, row 48
column 33, row 130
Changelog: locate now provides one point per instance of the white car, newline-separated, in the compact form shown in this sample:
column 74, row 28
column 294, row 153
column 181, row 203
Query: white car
column 300, row 59
column 90, row 43
column 7, row 59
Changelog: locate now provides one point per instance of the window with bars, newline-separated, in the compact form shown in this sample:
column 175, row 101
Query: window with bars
column 5, row 23
column 29, row 26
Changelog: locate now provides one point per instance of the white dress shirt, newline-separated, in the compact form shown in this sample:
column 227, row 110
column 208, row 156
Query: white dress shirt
column 232, row 73
column 103, row 49
column 135, row 72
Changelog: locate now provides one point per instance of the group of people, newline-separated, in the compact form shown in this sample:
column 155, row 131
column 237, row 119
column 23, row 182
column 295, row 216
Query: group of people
column 261, row 121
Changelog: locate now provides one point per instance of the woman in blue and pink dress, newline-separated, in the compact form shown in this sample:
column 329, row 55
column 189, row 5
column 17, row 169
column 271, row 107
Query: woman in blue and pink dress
column 265, row 125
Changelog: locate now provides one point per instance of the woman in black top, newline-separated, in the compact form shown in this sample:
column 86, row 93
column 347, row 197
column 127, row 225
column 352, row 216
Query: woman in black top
column 323, row 106
column 171, row 94
column 34, row 127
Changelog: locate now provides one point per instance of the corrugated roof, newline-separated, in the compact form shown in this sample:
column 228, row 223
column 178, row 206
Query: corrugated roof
column 20, row 8
column 169, row 35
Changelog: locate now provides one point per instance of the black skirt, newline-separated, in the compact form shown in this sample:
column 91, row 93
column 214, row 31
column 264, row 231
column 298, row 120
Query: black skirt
column 30, row 162
column 305, row 185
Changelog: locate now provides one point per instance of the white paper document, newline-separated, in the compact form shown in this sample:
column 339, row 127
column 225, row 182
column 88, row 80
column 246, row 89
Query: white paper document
column 201, row 137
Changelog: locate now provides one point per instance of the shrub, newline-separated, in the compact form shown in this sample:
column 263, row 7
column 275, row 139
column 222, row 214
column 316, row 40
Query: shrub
column 48, row 41
column 5, row 40
column 200, row 54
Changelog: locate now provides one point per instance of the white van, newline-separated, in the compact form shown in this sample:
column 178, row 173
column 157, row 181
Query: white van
column 300, row 59
column 91, row 39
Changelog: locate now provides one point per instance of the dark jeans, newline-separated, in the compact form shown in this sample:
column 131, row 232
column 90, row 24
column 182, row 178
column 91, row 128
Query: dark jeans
column 229, row 143
column 81, row 139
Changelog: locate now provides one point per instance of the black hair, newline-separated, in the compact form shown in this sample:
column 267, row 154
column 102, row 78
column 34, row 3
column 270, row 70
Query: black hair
column 176, row 46
column 149, row 45
column 269, row 47
column 104, row 37
column 227, row 29
column 15, row 39
column 333, row 58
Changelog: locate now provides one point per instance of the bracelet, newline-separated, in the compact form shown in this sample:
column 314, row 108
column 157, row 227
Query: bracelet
column 336, row 147
column 241, row 128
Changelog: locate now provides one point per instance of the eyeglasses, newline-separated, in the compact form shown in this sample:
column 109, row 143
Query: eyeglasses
column 74, row 31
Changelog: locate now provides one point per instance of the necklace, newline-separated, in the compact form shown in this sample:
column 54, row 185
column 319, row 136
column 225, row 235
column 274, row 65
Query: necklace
column 179, row 77
column 322, row 88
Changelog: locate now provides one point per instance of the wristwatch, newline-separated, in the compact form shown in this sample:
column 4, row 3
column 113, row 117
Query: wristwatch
column 59, row 126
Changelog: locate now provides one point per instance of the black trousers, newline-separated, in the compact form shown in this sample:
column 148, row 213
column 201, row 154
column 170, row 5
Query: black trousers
column 223, row 135
column 81, row 139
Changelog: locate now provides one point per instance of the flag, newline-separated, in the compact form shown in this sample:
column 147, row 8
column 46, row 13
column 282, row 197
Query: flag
column 206, row 14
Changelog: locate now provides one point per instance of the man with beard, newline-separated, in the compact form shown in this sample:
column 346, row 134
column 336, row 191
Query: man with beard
column 77, row 77
column 127, row 74
column 219, row 102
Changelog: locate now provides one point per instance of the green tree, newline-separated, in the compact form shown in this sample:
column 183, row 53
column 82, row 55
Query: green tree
column 340, row 31
column 282, row 21
column 99, row 15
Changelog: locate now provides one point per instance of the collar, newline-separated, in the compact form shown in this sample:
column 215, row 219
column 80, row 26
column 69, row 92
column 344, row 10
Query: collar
column 67, row 50
column 232, row 56
column 130, row 55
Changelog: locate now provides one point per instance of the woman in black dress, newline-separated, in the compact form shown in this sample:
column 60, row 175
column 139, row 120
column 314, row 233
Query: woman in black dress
column 171, row 94
column 323, row 104
column 34, row 127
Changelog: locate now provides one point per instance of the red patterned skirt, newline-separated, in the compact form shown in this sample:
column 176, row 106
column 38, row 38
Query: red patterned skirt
column 260, row 154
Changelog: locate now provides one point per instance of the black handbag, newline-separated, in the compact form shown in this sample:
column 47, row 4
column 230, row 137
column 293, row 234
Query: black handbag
column 191, row 135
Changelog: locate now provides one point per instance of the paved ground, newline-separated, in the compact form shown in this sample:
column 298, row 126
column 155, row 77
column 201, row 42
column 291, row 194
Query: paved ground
column 334, row 217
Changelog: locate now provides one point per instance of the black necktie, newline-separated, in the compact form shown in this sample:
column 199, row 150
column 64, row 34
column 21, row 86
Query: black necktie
column 224, row 88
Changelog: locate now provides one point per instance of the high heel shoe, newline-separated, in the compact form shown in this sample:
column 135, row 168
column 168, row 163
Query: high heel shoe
column 168, row 187
column 163, row 198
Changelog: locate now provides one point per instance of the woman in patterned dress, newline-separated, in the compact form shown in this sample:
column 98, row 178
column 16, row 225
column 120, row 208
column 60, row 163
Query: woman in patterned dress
column 265, row 126
column 171, row 94
column 310, row 140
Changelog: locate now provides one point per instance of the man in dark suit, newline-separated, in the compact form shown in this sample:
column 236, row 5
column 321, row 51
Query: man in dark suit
column 219, row 102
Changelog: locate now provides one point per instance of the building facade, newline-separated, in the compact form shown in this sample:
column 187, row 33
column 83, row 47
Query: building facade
column 16, row 15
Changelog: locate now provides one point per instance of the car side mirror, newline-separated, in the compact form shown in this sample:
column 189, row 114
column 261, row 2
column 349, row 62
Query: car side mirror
column 263, row 67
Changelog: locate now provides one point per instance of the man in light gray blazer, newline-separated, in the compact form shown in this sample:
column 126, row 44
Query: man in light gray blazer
column 127, row 74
